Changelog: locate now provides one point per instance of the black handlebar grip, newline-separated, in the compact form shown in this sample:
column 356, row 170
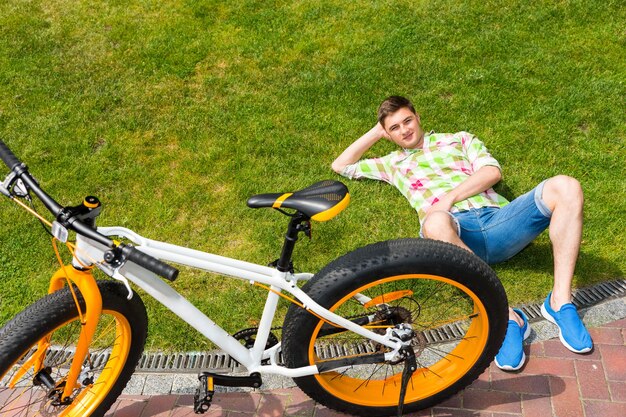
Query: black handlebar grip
column 8, row 157
column 150, row 263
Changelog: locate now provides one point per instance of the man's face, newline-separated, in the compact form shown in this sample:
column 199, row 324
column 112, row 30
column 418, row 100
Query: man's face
column 404, row 128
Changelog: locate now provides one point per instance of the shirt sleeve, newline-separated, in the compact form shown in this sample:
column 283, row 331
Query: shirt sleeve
column 477, row 153
column 374, row 168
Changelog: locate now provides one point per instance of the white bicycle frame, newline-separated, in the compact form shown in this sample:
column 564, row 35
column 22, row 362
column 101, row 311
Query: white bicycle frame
column 89, row 252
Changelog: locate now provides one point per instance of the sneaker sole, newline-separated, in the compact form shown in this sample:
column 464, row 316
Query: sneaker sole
column 551, row 319
column 511, row 368
column 523, row 361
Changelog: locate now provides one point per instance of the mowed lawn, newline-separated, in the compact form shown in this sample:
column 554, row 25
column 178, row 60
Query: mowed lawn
column 174, row 112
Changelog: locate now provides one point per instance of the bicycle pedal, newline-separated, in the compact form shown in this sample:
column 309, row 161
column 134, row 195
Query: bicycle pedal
column 204, row 394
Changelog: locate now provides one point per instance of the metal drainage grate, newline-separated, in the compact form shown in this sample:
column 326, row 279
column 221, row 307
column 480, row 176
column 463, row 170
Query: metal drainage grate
column 583, row 297
column 189, row 362
column 194, row 362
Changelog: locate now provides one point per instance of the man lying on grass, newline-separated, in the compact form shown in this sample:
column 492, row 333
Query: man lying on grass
column 447, row 179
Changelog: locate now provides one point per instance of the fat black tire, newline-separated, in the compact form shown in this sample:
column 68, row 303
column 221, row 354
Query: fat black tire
column 428, row 262
column 53, row 312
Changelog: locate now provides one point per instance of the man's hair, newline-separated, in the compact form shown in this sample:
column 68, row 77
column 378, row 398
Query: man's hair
column 391, row 105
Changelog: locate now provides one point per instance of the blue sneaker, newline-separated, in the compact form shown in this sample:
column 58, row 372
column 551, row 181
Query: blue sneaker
column 511, row 356
column 572, row 331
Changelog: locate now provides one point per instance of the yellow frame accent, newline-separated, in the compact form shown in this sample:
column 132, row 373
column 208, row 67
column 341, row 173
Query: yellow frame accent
column 279, row 200
column 333, row 211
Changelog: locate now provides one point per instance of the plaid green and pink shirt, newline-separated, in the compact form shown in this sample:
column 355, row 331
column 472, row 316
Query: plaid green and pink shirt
column 423, row 175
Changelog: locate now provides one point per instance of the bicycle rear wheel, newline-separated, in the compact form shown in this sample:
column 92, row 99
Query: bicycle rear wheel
column 452, row 300
column 113, row 355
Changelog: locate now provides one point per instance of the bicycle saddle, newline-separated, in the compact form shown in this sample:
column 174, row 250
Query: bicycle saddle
column 320, row 202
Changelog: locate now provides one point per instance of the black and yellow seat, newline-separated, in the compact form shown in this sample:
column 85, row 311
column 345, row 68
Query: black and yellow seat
column 320, row 202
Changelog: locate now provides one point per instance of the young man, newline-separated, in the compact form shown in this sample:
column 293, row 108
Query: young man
column 447, row 178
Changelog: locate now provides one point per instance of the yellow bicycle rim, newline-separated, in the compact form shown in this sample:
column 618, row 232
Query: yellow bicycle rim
column 425, row 381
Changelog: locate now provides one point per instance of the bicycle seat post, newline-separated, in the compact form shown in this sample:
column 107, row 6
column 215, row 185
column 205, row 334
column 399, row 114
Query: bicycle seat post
column 295, row 227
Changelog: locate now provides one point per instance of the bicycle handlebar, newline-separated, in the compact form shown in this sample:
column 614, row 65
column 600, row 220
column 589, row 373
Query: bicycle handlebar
column 150, row 263
column 130, row 253
column 8, row 157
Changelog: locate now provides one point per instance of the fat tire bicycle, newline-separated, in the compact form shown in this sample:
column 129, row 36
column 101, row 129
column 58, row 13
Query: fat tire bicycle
column 391, row 327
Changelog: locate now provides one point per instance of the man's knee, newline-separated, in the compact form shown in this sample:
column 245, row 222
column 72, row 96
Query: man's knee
column 563, row 189
column 438, row 225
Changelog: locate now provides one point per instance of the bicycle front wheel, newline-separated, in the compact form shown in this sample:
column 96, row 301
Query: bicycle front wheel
column 452, row 300
column 113, row 355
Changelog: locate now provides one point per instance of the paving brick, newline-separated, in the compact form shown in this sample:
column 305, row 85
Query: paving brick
column 128, row 408
column 320, row 411
column 565, row 397
column 159, row 406
column 455, row 412
column 500, row 401
column 238, row 401
column 520, row 383
column 422, row 413
column 296, row 395
column 614, row 358
column 188, row 412
column 591, row 380
column 273, row 405
column 108, row 413
column 555, row 349
column 536, row 405
column 550, row 366
column 185, row 400
column 301, row 408
column 484, row 380
column 618, row 390
column 133, row 397
column 456, row 401
column 606, row 336
column 17, row 402
column 605, row 409
column 298, row 403
column 534, row 350
column 617, row 323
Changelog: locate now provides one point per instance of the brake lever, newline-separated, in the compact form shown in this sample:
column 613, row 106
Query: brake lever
column 20, row 190
column 7, row 183
column 12, row 186
column 116, row 275
column 114, row 272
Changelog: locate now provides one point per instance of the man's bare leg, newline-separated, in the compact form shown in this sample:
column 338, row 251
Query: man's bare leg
column 440, row 226
column 564, row 197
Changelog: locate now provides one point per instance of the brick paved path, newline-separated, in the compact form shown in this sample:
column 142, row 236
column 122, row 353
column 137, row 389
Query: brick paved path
column 554, row 382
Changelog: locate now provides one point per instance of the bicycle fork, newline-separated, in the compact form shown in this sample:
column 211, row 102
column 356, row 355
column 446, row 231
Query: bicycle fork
column 89, row 319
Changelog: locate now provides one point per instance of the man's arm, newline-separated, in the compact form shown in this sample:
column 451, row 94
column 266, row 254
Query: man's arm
column 355, row 151
column 481, row 180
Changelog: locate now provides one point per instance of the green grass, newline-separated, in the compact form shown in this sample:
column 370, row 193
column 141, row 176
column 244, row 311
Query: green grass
column 174, row 112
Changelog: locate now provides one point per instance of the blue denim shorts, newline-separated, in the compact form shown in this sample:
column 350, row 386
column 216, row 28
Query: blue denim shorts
column 497, row 234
